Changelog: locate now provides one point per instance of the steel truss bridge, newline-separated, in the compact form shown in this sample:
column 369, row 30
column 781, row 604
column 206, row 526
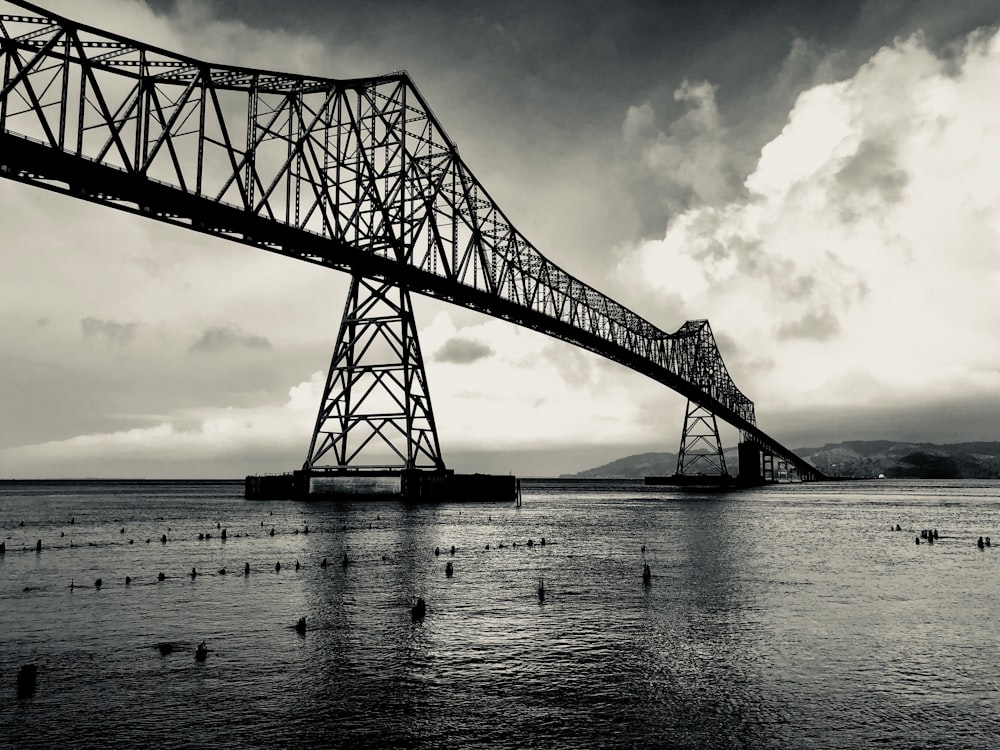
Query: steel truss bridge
column 356, row 175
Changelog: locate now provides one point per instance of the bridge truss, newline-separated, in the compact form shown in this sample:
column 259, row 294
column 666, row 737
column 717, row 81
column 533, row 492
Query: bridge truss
column 356, row 175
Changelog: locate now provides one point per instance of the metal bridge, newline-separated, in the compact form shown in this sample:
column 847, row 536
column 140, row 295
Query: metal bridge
column 356, row 175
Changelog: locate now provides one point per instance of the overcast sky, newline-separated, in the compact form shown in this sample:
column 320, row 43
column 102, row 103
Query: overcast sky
column 816, row 179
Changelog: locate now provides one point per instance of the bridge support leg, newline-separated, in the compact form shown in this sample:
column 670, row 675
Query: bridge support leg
column 783, row 472
column 376, row 409
column 750, row 468
column 767, row 469
column 700, row 452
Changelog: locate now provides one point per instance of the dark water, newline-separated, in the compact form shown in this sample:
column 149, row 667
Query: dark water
column 784, row 617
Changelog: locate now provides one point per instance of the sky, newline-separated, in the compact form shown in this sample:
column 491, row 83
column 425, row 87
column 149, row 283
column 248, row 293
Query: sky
column 816, row 179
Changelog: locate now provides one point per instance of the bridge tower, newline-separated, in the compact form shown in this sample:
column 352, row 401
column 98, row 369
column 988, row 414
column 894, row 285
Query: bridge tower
column 376, row 411
column 700, row 452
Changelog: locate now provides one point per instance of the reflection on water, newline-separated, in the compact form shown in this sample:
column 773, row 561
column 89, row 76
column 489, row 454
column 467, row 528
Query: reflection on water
column 790, row 616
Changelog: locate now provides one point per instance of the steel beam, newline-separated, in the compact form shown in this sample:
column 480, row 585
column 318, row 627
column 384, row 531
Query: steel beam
column 376, row 407
column 700, row 452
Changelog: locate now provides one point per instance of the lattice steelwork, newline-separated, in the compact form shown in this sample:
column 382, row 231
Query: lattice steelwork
column 700, row 452
column 356, row 175
column 376, row 408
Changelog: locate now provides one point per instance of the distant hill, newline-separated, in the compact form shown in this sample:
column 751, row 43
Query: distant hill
column 852, row 458
column 869, row 458
column 632, row 467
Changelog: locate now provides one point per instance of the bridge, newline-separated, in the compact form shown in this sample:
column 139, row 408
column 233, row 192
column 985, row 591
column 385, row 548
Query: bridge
column 355, row 175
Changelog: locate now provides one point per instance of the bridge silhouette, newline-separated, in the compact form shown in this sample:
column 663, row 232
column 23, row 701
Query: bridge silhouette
column 356, row 175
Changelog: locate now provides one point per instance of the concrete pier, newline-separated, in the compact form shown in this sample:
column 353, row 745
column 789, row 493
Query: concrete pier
column 751, row 472
column 361, row 484
column 695, row 481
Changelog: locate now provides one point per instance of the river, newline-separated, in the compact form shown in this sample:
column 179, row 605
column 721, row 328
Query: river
column 781, row 617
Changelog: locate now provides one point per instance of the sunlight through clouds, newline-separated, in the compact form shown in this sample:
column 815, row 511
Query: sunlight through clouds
column 863, row 258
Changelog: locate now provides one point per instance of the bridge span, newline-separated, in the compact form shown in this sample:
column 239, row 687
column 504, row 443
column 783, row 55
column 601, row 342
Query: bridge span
column 356, row 175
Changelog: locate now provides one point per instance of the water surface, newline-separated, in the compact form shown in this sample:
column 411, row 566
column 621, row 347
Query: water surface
column 789, row 616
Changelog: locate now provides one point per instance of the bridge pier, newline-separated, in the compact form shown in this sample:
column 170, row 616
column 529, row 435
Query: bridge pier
column 375, row 419
column 751, row 469
column 759, row 466
column 361, row 484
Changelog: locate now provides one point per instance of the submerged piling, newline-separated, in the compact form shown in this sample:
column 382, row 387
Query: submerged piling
column 27, row 680
column 418, row 610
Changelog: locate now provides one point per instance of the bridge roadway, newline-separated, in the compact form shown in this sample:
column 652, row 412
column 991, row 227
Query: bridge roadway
column 375, row 222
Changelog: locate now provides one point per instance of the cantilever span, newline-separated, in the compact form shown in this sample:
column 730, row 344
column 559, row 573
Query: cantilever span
column 356, row 175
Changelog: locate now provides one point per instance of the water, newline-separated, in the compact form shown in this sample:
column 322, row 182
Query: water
column 783, row 617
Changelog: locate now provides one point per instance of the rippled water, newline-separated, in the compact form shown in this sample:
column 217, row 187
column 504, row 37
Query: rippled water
column 787, row 617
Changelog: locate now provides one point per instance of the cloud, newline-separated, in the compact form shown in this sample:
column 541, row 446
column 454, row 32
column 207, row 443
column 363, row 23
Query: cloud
column 871, row 175
column 533, row 390
column 188, row 438
column 222, row 338
column 462, row 351
column 689, row 162
column 863, row 255
column 820, row 325
column 109, row 331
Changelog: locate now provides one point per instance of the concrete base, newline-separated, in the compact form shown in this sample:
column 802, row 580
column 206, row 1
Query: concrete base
column 684, row 480
column 750, row 468
column 416, row 485
column 275, row 486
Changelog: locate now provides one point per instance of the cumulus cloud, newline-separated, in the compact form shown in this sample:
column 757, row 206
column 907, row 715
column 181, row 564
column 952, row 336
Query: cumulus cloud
column 222, row 338
column 462, row 351
column 865, row 246
column 689, row 162
column 109, row 331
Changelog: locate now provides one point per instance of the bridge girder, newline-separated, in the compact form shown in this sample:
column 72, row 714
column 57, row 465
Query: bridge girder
column 356, row 175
